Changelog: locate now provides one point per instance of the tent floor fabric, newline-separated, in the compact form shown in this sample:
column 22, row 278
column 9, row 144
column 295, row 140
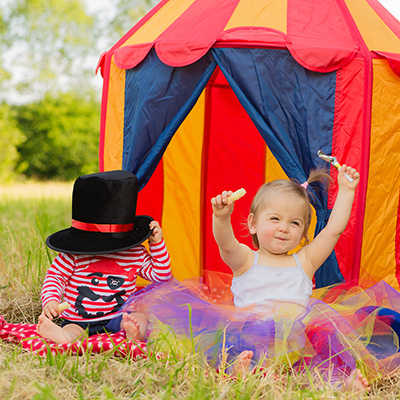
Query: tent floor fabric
column 26, row 336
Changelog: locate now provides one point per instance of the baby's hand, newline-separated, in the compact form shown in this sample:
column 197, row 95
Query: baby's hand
column 50, row 310
column 352, row 173
column 156, row 235
column 221, row 206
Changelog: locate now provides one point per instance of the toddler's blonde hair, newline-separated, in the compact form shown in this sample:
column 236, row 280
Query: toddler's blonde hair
column 279, row 186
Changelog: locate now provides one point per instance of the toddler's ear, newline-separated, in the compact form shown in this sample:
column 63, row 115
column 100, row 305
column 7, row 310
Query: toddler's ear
column 251, row 223
column 305, row 237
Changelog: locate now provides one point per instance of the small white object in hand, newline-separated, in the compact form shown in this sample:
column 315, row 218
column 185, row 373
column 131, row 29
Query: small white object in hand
column 236, row 195
column 63, row 306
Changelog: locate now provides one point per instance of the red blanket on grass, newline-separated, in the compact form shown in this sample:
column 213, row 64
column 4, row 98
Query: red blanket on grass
column 26, row 336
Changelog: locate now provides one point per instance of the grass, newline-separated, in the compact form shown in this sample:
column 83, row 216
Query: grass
column 28, row 214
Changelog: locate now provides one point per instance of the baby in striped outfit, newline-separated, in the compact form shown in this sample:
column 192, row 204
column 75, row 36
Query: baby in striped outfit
column 100, row 257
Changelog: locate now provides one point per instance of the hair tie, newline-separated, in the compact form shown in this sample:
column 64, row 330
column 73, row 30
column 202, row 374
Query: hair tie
column 305, row 185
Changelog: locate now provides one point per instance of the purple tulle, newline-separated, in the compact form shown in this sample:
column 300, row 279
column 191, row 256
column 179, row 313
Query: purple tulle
column 338, row 330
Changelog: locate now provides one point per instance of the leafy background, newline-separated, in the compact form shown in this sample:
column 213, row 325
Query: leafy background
column 49, row 94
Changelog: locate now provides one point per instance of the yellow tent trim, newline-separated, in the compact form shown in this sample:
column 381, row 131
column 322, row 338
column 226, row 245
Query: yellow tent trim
column 249, row 13
column 159, row 22
column 114, row 131
column 384, row 168
column 376, row 34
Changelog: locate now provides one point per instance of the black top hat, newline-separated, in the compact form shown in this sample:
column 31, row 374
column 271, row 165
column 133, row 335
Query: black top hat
column 104, row 216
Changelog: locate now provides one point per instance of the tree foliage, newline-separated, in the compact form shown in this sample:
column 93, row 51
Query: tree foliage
column 48, row 49
column 10, row 138
column 61, row 136
column 50, row 40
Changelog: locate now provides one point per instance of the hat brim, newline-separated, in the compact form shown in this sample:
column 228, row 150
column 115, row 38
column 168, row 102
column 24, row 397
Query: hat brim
column 75, row 241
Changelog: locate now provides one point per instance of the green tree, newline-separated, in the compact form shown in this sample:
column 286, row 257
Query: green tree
column 61, row 136
column 53, row 46
column 10, row 138
column 48, row 52
column 51, row 42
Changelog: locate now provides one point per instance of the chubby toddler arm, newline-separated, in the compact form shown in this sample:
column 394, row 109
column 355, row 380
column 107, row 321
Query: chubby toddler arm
column 156, row 265
column 233, row 253
column 322, row 246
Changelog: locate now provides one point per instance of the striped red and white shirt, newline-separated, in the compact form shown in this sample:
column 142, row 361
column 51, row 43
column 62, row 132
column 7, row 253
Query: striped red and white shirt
column 96, row 286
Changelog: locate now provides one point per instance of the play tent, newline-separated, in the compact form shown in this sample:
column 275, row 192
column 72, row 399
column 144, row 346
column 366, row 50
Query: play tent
column 205, row 95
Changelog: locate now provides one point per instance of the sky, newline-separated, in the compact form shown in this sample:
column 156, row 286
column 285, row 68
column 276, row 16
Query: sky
column 106, row 6
column 393, row 6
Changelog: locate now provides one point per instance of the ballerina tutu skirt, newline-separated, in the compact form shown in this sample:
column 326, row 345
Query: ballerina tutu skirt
column 342, row 327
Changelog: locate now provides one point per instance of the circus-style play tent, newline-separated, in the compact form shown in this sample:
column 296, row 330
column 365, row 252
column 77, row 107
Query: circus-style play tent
column 206, row 95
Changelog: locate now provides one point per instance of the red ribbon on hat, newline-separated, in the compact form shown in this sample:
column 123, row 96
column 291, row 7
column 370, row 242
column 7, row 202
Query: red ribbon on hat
column 103, row 228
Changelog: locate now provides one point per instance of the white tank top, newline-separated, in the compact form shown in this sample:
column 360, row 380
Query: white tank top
column 268, row 288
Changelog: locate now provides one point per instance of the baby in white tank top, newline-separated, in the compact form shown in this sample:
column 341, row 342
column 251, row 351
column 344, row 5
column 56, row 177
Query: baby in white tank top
column 269, row 287
column 280, row 215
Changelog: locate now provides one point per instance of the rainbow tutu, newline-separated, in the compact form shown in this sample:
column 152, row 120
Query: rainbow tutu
column 341, row 328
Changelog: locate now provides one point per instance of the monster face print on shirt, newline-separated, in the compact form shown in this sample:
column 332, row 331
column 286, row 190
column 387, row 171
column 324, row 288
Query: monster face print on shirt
column 101, row 290
column 96, row 285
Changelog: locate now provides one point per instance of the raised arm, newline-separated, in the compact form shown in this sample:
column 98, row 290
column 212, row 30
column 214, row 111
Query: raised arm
column 156, row 265
column 323, row 244
column 233, row 253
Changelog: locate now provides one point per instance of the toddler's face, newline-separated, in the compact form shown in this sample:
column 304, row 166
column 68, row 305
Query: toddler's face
column 280, row 225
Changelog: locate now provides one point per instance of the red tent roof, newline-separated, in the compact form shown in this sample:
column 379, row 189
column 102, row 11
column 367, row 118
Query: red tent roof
column 322, row 35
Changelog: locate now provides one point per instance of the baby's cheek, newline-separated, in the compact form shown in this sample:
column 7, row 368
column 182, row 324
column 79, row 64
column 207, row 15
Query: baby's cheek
column 265, row 232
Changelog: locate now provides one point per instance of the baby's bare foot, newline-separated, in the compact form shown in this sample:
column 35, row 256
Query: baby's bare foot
column 49, row 330
column 242, row 363
column 356, row 382
column 130, row 326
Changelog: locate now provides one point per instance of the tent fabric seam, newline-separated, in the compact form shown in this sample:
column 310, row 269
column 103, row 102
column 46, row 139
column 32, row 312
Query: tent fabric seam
column 358, row 229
